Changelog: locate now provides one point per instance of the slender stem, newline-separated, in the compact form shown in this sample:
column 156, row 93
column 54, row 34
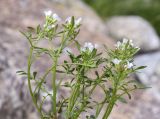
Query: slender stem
column 29, row 81
column 78, row 64
column 74, row 94
column 88, row 96
column 101, row 107
column 84, row 105
column 54, row 88
column 54, row 80
column 110, row 105
column 73, row 98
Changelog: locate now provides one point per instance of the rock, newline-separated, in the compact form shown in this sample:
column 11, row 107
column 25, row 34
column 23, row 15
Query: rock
column 150, row 76
column 135, row 28
column 144, row 105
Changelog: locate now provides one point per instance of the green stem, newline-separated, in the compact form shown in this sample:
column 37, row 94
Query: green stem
column 88, row 96
column 84, row 105
column 54, row 88
column 100, row 108
column 29, row 81
column 110, row 105
column 73, row 99
column 74, row 95
column 78, row 64
column 54, row 80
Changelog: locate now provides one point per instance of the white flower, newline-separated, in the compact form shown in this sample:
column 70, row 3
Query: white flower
column 44, row 25
column 121, row 45
column 51, row 26
column 56, row 17
column 116, row 61
column 68, row 20
column 125, row 40
column 78, row 21
column 137, row 48
column 131, row 42
column 129, row 65
column 48, row 13
column 89, row 46
column 118, row 44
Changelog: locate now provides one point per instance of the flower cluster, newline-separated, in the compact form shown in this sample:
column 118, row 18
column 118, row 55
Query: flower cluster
column 128, row 65
column 88, row 47
column 52, row 18
column 76, row 22
column 125, row 51
column 116, row 61
column 121, row 45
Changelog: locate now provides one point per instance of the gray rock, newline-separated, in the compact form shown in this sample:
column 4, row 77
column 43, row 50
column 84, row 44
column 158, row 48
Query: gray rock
column 150, row 75
column 144, row 105
column 135, row 28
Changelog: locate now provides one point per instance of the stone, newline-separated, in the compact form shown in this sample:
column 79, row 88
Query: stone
column 135, row 28
column 149, row 75
column 143, row 105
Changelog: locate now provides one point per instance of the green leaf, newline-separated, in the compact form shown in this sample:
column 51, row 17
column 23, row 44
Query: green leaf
column 22, row 73
column 96, row 72
column 126, row 91
column 34, row 75
column 77, row 44
column 141, row 67
column 66, row 84
column 94, row 52
column 59, row 71
column 72, row 21
column 38, row 30
column 123, row 100
column 31, row 29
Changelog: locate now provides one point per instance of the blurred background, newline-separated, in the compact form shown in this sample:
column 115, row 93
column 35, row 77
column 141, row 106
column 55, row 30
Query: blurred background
column 104, row 22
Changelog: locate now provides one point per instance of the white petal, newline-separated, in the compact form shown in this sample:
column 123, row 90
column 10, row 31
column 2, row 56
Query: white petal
column 78, row 21
column 125, row 40
column 55, row 16
column 116, row 61
column 89, row 46
column 50, row 27
column 118, row 44
column 83, row 49
column 137, row 48
column 48, row 13
column 131, row 42
column 68, row 20
column 129, row 65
